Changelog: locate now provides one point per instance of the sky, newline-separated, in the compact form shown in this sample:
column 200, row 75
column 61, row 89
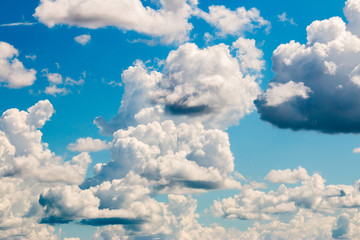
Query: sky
column 179, row 119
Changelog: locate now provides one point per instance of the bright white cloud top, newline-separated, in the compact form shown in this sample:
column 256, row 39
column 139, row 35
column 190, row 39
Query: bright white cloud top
column 12, row 71
column 195, row 85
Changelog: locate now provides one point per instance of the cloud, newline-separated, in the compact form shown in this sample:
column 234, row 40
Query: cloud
column 287, row 175
column 83, row 39
column 283, row 18
column 28, row 168
column 169, row 22
column 312, row 194
column 55, row 79
column 236, row 22
column 12, row 71
column 278, row 93
column 17, row 24
column 174, row 158
column 54, row 90
column 88, row 145
column 356, row 150
column 195, row 85
column 316, row 86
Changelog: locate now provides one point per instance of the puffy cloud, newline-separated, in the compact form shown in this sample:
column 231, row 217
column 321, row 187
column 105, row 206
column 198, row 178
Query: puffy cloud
column 173, row 158
column 312, row 210
column 181, row 223
column 196, row 85
column 12, row 71
column 316, row 86
column 278, row 93
column 28, row 168
column 170, row 21
column 88, row 145
column 313, row 194
column 234, row 22
column 54, row 90
column 287, row 175
column 83, row 39
column 54, row 78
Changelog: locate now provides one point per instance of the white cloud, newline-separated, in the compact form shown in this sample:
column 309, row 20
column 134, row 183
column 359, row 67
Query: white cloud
column 170, row 22
column 54, row 90
column 88, row 145
column 328, row 64
column 83, row 39
column 236, row 22
column 32, row 57
column 54, row 78
column 278, row 93
column 312, row 194
column 356, row 150
column 195, row 85
column 12, row 71
column 283, row 18
column 287, row 175
column 250, row 57
column 174, row 158
column 27, row 168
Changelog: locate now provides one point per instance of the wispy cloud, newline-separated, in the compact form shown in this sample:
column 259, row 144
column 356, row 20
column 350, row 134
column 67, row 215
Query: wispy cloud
column 17, row 24
column 283, row 18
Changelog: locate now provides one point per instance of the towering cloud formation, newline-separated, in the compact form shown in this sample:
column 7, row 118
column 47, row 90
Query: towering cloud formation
column 27, row 168
column 317, row 85
column 12, row 71
column 196, row 85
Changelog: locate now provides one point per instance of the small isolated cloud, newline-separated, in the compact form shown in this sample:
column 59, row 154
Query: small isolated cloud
column 88, row 145
column 17, row 24
column 83, row 39
column 55, row 90
column 283, row 18
column 356, row 150
column 207, row 85
column 317, row 84
column 55, row 80
column 32, row 57
column 12, row 71
column 237, row 22
column 172, row 16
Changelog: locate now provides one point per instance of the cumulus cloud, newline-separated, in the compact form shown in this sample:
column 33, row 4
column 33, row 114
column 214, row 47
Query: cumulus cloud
column 316, row 85
column 287, row 175
column 236, row 22
column 12, row 72
column 88, row 145
column 169, row 22
column 312, row 194
column 83, row 39
column 27, row 169
column 195, row 85
column 174, row 158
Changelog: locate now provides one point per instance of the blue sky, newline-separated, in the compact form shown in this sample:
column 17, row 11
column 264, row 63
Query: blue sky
column 186, row 119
